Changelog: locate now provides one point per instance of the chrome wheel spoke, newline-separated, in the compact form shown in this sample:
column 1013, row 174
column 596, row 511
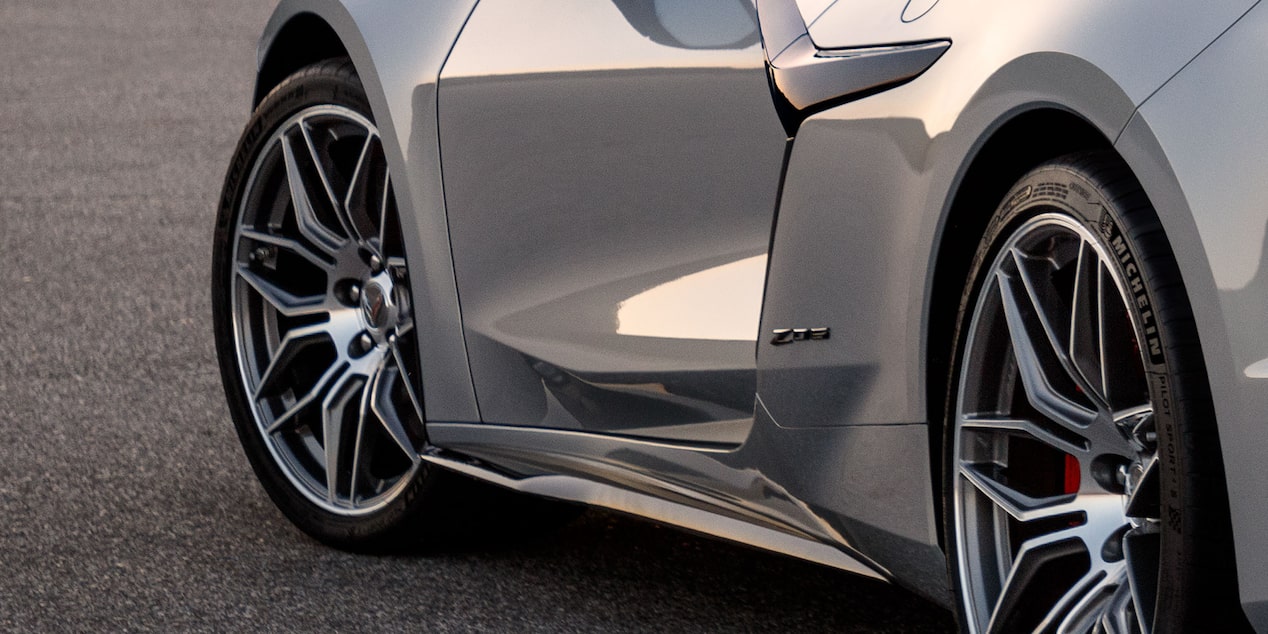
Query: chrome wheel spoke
column 1077, row 609
column 1052, row 320
column 333, row 409
column 1086, row 352
column 305, row 216
column 294, row 246
column 364, row 215
column 385, row 410
column 1055, row 443
column 1142, row 550
column 1039, row 358
column 322, row 309
column 1136, row 418
column 324, row 180
column 1137, row 425
column 1020, row 506
column 405, row 327
column 1082, row 605
column 1143, row 495
column 296, row 341
column 1024, row 572
column 282, row 300
column 1031, row 349
column 362, row 414
column 409, row 388
column 316, row 392
column 384, row 205
column 1119, row 616
column 1064, row 443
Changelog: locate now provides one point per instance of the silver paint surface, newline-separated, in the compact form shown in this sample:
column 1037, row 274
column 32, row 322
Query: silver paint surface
column 870, row 182
column 1198, row 146
column 573, row 161
column 610, row 257
column 398, row 47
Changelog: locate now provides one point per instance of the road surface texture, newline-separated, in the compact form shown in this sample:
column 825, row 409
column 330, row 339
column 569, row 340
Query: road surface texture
column 125, row 501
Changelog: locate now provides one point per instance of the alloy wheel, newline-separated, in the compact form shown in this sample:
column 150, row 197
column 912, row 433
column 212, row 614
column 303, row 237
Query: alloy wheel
column 1055, row 462
column 321, row 313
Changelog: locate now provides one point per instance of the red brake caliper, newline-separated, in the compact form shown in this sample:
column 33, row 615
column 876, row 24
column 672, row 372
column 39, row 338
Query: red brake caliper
column 1071, row 474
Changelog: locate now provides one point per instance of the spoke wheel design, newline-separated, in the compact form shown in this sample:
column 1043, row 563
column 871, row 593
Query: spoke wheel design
column 321, row 313
column 1055, row 456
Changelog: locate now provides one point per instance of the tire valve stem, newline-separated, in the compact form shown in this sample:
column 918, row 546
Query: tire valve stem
column 266, row 256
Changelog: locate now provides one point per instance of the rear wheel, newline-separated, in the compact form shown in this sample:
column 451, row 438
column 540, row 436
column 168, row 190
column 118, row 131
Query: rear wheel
column 1083, row 467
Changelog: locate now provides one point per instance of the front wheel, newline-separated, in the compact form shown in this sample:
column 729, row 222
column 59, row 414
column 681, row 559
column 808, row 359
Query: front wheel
column 1084, row 479
column 313, row 322
column 316, row 335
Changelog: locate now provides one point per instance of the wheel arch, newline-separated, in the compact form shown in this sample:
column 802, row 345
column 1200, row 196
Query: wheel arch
column 397, row 48
column 305, row 38
column 1017, row 143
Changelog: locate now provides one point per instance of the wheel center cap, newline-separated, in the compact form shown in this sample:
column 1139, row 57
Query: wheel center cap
column 376, row 305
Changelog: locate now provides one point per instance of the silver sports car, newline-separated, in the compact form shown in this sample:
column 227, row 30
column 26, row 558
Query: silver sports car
column 970, row 296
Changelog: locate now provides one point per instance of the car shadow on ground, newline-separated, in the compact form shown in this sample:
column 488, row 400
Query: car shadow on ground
column 607, row 571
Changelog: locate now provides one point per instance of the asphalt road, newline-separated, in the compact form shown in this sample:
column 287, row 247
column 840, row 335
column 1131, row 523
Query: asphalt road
column 125, row 502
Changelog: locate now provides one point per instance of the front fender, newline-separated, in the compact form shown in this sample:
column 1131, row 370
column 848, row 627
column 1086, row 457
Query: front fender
column 398, row 48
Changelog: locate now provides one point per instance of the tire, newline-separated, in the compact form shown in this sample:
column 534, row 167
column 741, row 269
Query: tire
column 316, row 342
column 1084, row 485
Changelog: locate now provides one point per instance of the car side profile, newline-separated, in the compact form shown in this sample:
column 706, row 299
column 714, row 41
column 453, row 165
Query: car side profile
column 964, row 295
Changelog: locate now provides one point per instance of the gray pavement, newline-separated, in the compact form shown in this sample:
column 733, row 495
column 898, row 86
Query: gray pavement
column 125, row 502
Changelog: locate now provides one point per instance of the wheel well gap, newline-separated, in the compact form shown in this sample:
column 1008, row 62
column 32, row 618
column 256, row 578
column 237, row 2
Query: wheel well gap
column 1014, row 148
column 305, row 39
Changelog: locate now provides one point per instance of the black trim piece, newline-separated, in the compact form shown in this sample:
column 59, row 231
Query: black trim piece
column 770, row 246
column 805, row 79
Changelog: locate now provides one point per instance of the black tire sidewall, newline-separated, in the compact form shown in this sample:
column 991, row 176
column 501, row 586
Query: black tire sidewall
column 330, row 82
column 1112, row 209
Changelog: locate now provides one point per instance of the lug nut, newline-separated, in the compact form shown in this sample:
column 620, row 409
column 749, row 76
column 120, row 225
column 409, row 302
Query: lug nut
column 354, row 293
column 361, row 345
column 376, row 264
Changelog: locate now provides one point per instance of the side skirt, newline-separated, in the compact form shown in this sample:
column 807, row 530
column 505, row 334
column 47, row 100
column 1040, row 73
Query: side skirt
column 556, row 464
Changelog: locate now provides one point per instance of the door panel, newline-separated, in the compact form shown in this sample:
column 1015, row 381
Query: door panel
column 610, row 175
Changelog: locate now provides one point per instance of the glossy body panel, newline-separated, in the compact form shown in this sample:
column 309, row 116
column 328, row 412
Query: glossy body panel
column 810, row 10
column 1124, row 39
column 893, row 176
column 894, row 162
column 869, row 183
column 893, row 157
column 565, row 209
column 1200, row 160
column 398, row 48
column 610, row 259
